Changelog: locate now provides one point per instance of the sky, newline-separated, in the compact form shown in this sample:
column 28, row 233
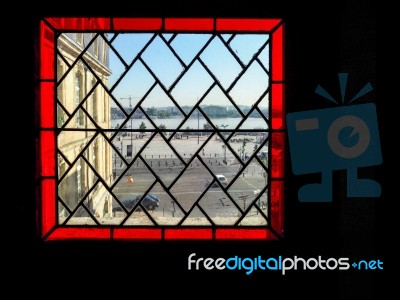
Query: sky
column 196, row 81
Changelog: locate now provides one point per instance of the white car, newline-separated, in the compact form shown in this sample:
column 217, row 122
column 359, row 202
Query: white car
column 222, row 179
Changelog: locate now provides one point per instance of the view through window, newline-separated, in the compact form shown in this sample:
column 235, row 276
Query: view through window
column 177, row 130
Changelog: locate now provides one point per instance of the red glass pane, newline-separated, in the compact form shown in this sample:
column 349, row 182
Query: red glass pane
column 182, row 24
column 46, row 52
column 47, row 153
column 247, row 24
column 277, row 67
column 47, row 104
column 278, row 151
column 277, row 205
column 80, row 23
column 137, row 23
column 188, row 234
column 241, row 234
column 277, row 113
column 80, row 233
column 48, row 196
column 137, row 234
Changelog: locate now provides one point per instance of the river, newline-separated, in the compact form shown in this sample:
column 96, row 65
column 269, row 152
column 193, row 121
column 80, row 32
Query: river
column 194, row 123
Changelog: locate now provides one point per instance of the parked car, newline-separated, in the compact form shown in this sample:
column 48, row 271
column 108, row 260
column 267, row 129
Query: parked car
column 263, row 154
column 150, row 202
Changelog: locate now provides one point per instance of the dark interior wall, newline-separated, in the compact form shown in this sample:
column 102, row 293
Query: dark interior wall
column 321, row 41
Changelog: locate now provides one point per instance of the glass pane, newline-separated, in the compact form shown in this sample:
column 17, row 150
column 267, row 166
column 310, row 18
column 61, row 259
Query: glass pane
column 133, row 86
column 253, row 218
column 246, row 45
column 188, row 46
column 196, row 217
column 191, row 184
column 220, row 62
column 219, row 108
column 159, row 57
column 220, row 209
column 246, row 188
column 129, row 45
column 250, row 87
column 197, row 81
column 81, row 217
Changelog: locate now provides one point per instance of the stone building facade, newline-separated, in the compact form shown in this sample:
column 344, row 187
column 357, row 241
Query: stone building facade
column 84, row 155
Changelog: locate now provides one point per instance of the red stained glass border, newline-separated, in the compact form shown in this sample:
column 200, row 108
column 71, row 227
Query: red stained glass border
column 188, row 234
column 243, row 234
column 72, row 23
column 80, row 233
column 277, row 110
column 277, row 62
column 137, row 24
column 184, row 24
column 277, row 206
column 47, row 154
column 137, row 234
column 48, row 194
column 260, row 25
column 277, row 147
column 46, row 95
column 46, row 52
column 47, row 137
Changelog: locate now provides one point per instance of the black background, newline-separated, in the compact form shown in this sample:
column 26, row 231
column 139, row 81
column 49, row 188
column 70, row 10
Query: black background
column 321, row 41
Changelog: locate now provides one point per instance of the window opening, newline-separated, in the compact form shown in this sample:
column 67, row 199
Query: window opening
column 189, row 143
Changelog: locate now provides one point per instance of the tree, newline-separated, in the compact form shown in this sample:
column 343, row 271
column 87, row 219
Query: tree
column 142, row 126
column 162, row 126
column 163, row 114
column 151, row 111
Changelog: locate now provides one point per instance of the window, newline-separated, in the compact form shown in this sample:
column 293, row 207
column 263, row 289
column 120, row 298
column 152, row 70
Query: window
column 94, row 102
column 78, row 85
column 191, row 141
column 78, row 183
column 60, row 94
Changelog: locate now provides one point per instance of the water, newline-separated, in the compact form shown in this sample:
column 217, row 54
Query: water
column 193, row 123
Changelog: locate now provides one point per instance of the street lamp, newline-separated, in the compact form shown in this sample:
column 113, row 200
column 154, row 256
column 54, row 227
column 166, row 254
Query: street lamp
column 122, row 151
column 244, row 199
column 130, row 111
column 224, row 147
column 130, row 105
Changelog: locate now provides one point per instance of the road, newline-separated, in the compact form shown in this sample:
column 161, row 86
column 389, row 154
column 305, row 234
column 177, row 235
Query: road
column 179, row 194
column 168, row 171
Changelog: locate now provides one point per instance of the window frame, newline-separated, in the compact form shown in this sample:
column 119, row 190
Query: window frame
column 48, row 227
